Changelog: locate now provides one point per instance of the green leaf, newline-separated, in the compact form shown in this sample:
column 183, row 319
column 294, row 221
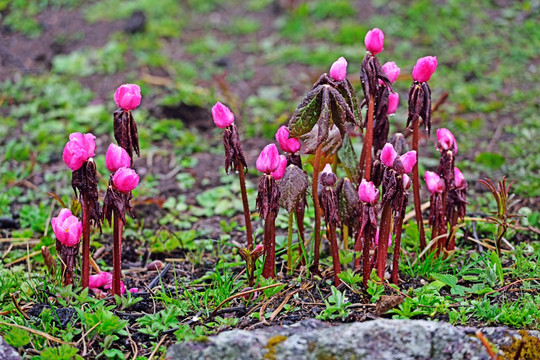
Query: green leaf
column 448, row 279
column 348, row 158
column 17, row 337
column 306, row 114
column 489, row 160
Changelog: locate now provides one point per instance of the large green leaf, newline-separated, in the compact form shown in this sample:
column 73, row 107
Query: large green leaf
column 306, row 114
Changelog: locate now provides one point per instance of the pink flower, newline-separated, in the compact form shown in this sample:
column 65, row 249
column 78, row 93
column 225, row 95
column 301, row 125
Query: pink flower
column 388, row 155
column 393, row 101
column 78, row 149
column 338, row 71
column 223, row 116
column 257, row 251
column 434, row 183
column 374, row 41
column 291, row 145
column 100, row 280
column 459, row 179
column 67, row 228
column 424, row 68
column 268, row 160
column 128, row 96
column 408, row 160
column 280, row 171
column 367, row 192
column 446, row 140
column 406, row 182
column 125, row 179
column 391, row 70
column 377, row 238
column 134, row 290
column 116, row 158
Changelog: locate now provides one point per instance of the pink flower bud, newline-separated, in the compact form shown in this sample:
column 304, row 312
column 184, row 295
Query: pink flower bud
column 257, row 251
column 393, row 101
column 128, row 96
column 434, row 183
column 280, row 171
column 291, row 145
column 391, row 70
column 100, row 280
column 446, row 140
column 406, row 182
column 125, row 179
column 377, row 238
column 374, row 41
column 223, row 116
column 67, row 228
column 134, row 290
column 388, row 155
column 338, row 71
column 78, row 149
column 268, row 160
column 424, row 68
column 116, row 158
column 327, row 177
column 368, row 193
column 408, row 160
column 459, row 179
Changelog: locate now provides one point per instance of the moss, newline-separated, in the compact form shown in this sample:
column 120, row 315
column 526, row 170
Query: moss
column 272, row 342
column 529, row 349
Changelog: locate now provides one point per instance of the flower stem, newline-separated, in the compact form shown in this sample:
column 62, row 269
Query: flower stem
column 365, row 156
column 301, row 240
column 332, row 237
column 117, row 255
column 416, row 186
column 247, row 217
column 345, row 233
column 385, row 229
column 289, row 242
column 85, row 263
column 269, row 247
column 397, row 249
column 317, row 230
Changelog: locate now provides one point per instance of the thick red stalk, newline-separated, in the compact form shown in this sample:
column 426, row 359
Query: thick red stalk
column 247, row 217
column 384, row 232
column 416, row 186
column 269, row 247
column 369, row 139
column 332, row 237
column 366, row 264
column 117, row 255
column 85, row 263
column 317, row 230
column 451, row 245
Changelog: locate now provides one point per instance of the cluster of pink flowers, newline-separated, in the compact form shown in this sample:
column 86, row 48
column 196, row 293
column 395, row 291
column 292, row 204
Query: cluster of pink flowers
column 402, row 164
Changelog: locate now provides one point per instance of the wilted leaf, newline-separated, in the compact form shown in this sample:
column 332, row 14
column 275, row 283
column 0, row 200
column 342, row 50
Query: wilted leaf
column 293, row 187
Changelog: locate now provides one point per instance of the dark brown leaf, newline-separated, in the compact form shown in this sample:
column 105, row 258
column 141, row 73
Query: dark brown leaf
column 293, row 187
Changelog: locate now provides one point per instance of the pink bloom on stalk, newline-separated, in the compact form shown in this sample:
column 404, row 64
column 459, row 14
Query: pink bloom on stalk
column 393, row 101
column 377, row 238
column 367, row 192
column 408, row 160
column 424, row 68
column 128, row 96
column 268, row 160
column 116, row 158
column 459, row 179
column 258, row 250
column 388, row 155
column 406, row 182
column 291, row 145
column 223, row 116
column 374, row 41
column 67, row 228
column 392, row 71
column 100, row 280
column 434, row 183
column 445, row 140
column 280, row 171
column 338, row 71
column 125, row 179
column 78, row 149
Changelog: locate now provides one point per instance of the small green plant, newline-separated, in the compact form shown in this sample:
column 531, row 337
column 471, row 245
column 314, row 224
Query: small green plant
column 336, row 306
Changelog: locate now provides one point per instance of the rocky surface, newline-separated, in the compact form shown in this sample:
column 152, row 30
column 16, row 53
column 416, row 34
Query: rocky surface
column 380, row 339
column 7, row 352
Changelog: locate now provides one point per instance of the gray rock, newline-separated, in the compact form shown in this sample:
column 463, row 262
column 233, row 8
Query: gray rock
column 380, row 339
column 7, row 352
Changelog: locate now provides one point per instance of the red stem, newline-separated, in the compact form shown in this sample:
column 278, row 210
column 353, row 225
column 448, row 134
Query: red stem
column 384, row 233
column 117, row 255
column 452, row 241
column 332, row 237
column 269, row 247
column 416, row 186
column 369, row 139
column 366, row 265
column 315, row 183
column 85, row 263
column 397, row 249
column 247, row 215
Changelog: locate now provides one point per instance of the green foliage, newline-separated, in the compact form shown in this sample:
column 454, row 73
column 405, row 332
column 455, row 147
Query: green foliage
column 336, row 306
column 164, row 320
column 375, row 289
column 63, row 352
column 17, row 337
